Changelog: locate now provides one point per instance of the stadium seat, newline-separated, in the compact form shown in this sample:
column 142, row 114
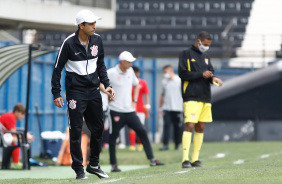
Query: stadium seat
column 169, row 6
column 150, row 22
column 135, row 22
column 138, row 6
column 184, row 7
column 212, row 21
column 217, row 7
column 154, row 6
column 230, row 6
column 200, row 7
column 121, row 21
column 182, row 22
column 123, row 6
column 165, row 21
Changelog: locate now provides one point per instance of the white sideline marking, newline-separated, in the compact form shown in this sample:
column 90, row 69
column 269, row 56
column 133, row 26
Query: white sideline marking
column 112, row 180
column 239, row 161
column 264, row 156
column 182, row 172
column 270, row 154
column 147, row 176
column 277, row 153
column 220, row 155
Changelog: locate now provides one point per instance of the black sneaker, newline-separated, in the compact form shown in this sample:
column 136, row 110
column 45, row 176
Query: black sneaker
column 186, row 164
column 81, row 176
column 178, row 148
column 97, row 171
column 197, row 164
column 164, row 148
column 156, row 163
column 115, row 168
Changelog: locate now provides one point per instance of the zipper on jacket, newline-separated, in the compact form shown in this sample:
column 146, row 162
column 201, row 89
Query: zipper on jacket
column 87, row 57
column 86, row 49
column 87, row 65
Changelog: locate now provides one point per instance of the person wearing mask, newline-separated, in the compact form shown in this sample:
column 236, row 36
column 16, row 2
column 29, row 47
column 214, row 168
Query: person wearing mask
column 171, row 104
column 197, row 74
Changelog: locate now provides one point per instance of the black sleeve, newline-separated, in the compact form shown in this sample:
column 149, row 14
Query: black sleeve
column 210, row 68
column 61, row 60
column 183, row 69
column 101, row 68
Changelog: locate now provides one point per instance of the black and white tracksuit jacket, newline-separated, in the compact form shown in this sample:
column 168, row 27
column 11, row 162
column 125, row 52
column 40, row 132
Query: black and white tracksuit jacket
column 192, row 64
column 84, row 70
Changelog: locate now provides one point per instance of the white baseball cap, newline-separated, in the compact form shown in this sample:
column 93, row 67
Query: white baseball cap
column 86, row 16
column 126, row 56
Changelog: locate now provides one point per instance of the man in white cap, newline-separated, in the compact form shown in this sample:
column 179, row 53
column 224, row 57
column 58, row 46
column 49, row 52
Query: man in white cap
column 122, row 110
column 82, row 55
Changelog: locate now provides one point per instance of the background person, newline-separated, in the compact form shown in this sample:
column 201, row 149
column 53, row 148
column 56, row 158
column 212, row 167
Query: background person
column 141, row 109
column 122, row 110
column 171, row 104
column 9, row 120
column 196, row 73
column 105, row 100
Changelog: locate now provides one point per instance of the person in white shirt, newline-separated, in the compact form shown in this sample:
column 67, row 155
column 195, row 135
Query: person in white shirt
column 122, row 109
column 171, row 103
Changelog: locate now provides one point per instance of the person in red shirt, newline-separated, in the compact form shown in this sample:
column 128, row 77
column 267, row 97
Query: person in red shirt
column 141, row 109
column 8, row 120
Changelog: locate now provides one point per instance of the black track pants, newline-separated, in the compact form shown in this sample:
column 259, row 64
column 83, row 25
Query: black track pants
column 118, row 120
column 176, row 119
column 92, row 111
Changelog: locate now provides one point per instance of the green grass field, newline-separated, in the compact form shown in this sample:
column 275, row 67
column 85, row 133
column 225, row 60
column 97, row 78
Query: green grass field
column 225, row 163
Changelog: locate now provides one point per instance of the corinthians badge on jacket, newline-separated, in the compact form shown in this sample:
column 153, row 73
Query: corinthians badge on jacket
column 207, row 61
column 94, row 50
column 72, row 104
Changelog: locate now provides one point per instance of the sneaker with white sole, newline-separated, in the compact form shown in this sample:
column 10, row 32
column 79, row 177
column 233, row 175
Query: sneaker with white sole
column 164, row 148
column 140, row 147
column 81, row 176
column 197, row 164
column 18, row 165
column 97, row 171
column 115, row 168
column 132, row 148
column 155, row 162
column 186, row 164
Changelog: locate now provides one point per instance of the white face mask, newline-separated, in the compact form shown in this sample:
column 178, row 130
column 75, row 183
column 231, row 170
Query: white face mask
column 166, row 75
column 202, row 48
